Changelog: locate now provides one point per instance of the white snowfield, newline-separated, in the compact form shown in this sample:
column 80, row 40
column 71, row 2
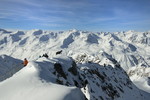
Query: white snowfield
column 97, row 57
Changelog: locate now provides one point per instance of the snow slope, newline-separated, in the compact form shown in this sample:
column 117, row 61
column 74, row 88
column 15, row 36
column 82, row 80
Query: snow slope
column 30, row 84
column 9, row 66
column 141, row 77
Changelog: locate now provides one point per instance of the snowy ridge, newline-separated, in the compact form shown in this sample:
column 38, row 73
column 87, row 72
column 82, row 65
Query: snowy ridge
column 36, row 82
column 40, row 79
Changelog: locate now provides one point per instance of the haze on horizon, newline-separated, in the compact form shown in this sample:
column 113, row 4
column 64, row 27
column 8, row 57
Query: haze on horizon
column 93, row 15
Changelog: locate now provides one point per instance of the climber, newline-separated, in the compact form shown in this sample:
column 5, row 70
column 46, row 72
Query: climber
column 25, row 62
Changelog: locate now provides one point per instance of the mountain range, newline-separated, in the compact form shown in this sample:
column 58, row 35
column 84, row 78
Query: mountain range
column 80, row 65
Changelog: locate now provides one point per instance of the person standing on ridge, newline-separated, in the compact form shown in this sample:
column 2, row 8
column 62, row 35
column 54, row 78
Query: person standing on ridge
column 25, row 62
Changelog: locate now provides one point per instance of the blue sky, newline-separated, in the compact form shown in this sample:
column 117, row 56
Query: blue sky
column 93, row 15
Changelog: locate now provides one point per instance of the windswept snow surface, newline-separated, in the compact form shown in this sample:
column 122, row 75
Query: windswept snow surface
column 91, row 62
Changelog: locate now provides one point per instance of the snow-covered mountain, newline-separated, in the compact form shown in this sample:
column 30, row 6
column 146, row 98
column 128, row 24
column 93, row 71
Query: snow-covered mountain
column 91, row 65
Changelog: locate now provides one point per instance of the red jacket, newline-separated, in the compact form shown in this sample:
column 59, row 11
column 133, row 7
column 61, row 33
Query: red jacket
column 25, row 62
